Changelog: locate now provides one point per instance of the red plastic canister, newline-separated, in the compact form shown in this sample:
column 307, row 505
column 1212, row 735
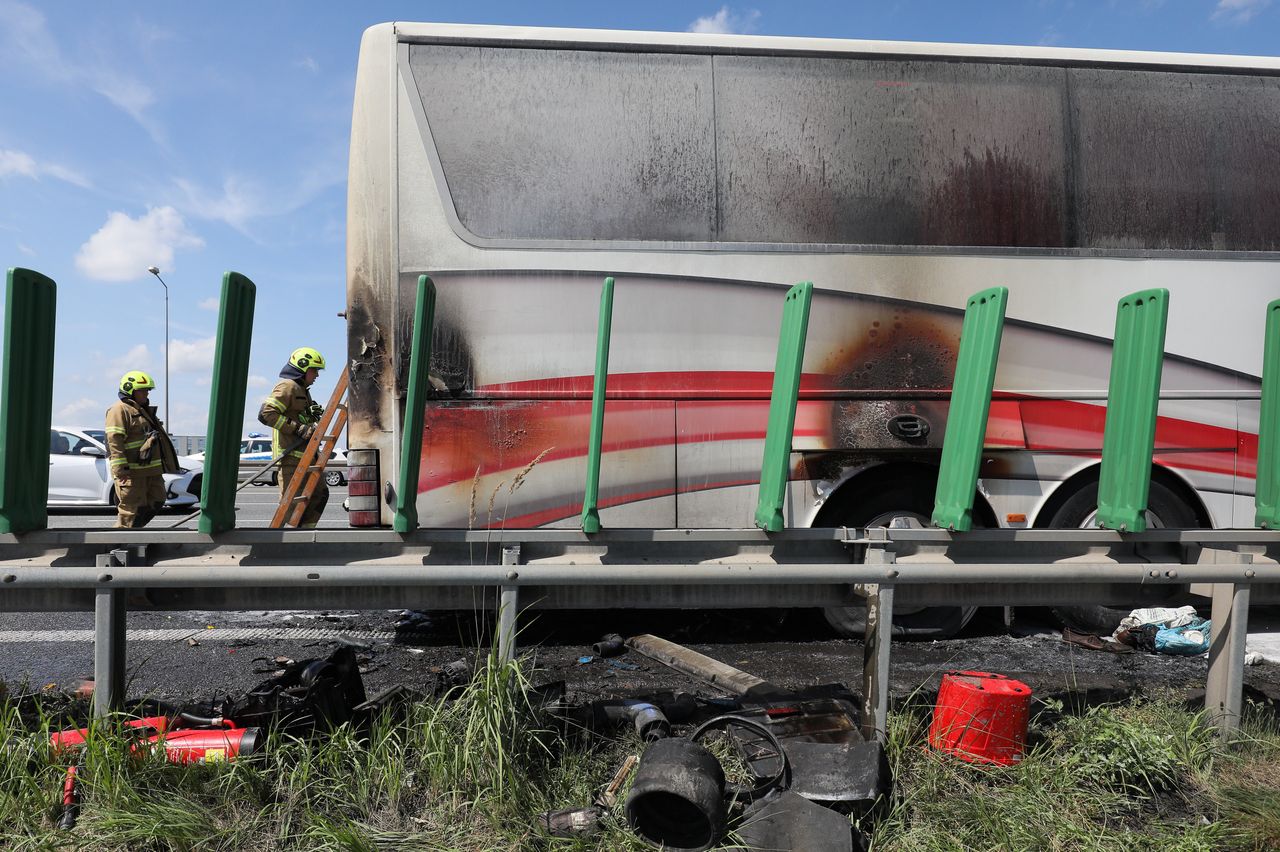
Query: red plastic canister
column 981, row 717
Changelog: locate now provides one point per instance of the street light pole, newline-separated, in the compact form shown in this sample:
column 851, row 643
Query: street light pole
column 156, row 272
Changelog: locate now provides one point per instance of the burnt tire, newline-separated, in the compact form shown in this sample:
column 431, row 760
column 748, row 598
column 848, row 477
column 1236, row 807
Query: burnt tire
column 1164, row 509
column 910, row 496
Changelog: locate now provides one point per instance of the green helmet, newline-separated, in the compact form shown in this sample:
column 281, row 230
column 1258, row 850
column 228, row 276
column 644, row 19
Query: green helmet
column 136, row 380
column 307, row 358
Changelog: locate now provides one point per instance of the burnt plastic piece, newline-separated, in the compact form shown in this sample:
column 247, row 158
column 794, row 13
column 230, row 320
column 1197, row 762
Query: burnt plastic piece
column 790, row 821
column 677, row 797
column 650, row 722
column 847, row 777
column 609, row 646
column 571, row 822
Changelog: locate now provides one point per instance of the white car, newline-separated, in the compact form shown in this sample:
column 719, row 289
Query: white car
column 78, row 472
column 255, row 454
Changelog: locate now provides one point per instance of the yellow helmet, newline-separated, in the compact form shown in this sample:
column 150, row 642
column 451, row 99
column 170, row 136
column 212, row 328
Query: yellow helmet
column 136, row 380
column 307, row 358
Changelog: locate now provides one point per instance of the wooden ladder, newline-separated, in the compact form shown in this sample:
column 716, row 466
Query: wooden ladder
column 298, row 491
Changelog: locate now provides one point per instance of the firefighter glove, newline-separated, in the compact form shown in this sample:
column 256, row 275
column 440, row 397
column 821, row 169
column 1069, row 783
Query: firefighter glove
column 314, row 412
column 305, row 431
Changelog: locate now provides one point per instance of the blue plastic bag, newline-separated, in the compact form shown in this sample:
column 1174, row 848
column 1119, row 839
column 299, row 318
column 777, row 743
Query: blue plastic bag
column 1187, row 640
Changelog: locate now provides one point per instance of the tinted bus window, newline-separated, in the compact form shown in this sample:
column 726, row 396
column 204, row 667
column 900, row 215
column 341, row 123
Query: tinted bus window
column 563, row 144
column 1177, row 161
column 819, row 150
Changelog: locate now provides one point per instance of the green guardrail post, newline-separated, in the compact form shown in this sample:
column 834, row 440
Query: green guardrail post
column 970, row 404
column 782, row 407
column 227, row 404
column 26, row 400
column 415, row 407
column 590, row 511
column 1267, row 485
column 1133, row 398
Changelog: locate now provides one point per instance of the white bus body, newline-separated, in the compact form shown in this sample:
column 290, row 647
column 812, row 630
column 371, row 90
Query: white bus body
column 518, row 167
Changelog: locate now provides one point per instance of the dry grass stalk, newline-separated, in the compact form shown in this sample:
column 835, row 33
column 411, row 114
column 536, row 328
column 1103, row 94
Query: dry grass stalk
column 471, row 511
column 519, row 480
column 493, row 498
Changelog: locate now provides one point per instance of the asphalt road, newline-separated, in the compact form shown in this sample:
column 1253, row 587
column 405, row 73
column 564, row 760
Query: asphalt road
column 254, row 507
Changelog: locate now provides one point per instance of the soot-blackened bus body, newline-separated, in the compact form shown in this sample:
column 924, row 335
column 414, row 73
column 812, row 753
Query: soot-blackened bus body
column 518, row 167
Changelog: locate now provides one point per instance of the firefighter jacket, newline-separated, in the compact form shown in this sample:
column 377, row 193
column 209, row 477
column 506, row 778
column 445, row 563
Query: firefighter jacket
column 288, row 406
column 137, row 444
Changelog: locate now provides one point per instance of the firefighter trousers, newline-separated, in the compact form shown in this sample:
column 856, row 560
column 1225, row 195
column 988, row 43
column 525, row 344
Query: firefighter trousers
column 319, row 498
column 139, row 500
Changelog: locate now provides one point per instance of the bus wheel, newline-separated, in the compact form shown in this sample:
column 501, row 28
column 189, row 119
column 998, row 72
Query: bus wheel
column 1164, row 509
column 909, row 497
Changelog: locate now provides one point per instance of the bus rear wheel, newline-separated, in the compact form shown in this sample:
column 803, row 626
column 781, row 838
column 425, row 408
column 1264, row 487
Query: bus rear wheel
column 1164, row 509
column 909, row 497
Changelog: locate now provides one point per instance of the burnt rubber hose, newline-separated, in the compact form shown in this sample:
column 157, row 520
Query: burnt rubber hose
column 778, row 779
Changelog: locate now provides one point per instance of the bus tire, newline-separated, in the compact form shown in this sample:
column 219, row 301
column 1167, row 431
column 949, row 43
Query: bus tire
column 875, row 505
column 1165, row 508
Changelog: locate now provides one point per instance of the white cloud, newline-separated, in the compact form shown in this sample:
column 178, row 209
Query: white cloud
column 23, row 164
column 240, row 201
column 123, row 248
column 726, row 21
column 259, row 381
column 26, row 40
column 75, row 412
column 191, row 356
column 309, row 63
column 137, row 358
column 1238, row 11
column 210, row 304
column 236, row 204
column 26, row 249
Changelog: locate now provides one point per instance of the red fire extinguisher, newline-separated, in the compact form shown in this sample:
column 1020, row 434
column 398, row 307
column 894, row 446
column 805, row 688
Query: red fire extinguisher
column 181, row 745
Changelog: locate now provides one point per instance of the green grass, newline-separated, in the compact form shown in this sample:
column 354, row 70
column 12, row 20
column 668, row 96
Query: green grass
column 1147, row 775
column 473, row 772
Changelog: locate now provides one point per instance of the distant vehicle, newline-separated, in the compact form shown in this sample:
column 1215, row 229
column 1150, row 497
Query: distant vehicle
column 78, row 472
column 255, row 454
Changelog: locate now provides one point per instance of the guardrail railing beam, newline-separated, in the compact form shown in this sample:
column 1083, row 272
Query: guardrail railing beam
column 776, row 466
column 415, row 408
column 1133, row 398
column 970, row 405
column 591, row 495
column 227, row 403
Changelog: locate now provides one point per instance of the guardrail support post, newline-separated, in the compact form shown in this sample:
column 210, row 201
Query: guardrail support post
column 1133, row 397
column 26, row 400
column 508, row 607
column 1224, row 687
column 415, row 408
column 1267, row 484
column 226, row 404
column 590, row 512
column 876, row 647
column 967, row 413
column 782, row 407
column 110, row 617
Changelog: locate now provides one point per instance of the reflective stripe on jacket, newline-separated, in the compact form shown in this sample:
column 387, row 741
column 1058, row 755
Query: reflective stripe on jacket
column 284, row 410
column 129, row 428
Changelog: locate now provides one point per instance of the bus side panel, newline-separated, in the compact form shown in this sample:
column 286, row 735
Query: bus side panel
column 522, row 463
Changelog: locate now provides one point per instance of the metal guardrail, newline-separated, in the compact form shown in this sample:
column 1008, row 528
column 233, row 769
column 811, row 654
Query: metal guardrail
column 568, row 569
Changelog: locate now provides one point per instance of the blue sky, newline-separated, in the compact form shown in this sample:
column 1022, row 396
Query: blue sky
column 202, row 137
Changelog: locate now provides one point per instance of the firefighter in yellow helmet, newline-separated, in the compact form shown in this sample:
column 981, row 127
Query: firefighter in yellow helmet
column 293, row 415
column 139, row 452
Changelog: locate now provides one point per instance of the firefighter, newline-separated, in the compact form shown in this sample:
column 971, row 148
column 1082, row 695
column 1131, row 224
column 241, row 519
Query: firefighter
column 139, row 452
column 292, row 416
